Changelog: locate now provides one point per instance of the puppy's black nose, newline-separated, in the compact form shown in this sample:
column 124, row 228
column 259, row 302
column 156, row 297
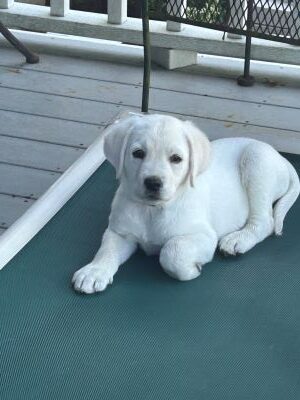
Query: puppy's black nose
column 153, row 183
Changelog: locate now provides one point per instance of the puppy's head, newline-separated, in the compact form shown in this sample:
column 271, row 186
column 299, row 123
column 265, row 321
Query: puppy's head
column 156, row 155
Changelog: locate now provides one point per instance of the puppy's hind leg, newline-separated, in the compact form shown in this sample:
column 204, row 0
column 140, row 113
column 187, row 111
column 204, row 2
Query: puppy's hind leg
column 263, row 175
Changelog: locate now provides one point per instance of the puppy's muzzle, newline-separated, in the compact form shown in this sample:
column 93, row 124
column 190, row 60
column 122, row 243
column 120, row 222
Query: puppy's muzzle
column 153, row 185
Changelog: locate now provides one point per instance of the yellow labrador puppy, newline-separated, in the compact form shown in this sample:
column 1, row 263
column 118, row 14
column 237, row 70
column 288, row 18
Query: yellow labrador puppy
column 180, row 195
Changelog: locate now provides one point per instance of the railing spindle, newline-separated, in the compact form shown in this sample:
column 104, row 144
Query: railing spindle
column 6, row 3
column 117, row 11
column 180, row 7
column 59, row 8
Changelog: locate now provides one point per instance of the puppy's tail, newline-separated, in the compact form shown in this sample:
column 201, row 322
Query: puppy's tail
column 286, row 201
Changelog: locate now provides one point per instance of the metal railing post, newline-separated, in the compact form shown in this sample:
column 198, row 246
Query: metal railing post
column 147, row 56
column 246, row 79
column 31, row 58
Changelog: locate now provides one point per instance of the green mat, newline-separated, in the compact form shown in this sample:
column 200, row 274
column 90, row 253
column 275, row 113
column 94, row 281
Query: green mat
column 233, row 333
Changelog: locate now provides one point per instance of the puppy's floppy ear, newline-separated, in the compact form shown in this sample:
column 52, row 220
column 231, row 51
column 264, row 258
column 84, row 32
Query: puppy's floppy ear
column 116, row 140
column 199, row 149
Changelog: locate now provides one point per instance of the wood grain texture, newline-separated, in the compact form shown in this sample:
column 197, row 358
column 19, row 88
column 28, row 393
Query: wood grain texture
column 270, row 91
column 24, row 181
column 65, row 95
column 48, row 130
column 48, row 105
column 44, row 156
column 11, row 208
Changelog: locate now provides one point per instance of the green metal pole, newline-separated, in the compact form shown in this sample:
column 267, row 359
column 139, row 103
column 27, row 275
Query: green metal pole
column 147, row 56
column 31, row 58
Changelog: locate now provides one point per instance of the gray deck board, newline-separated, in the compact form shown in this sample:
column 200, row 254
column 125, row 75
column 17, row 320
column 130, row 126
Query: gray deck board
column 24, row 181
column 11, row 208
column 270, row 91
column 44, row 156
column 59, row 107
column 76, row 92
column 47, row 129
column 50, row 112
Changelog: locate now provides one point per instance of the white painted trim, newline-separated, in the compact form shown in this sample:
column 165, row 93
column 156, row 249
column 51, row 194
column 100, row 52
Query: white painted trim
column 201, row 40
column 37, row 216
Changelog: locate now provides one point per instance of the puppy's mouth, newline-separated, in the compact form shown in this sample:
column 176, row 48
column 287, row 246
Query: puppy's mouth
column 153, row 196
column 154, row 199
column 150, row 198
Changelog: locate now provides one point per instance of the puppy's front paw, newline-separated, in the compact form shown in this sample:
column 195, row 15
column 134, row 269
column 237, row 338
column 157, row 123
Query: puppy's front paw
column 91, row 279
column 178, row 260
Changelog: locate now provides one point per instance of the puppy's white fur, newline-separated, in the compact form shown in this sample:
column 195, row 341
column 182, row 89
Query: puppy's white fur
column 234, row 192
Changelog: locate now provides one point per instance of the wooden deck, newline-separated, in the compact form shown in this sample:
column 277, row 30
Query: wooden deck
column 51, row 112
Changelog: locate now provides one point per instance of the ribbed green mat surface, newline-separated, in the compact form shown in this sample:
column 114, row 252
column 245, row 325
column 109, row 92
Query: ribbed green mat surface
column 233, row 333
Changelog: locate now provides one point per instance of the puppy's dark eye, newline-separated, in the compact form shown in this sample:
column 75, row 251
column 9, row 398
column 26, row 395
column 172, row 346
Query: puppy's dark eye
column 139, row 154
column 175, row 158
